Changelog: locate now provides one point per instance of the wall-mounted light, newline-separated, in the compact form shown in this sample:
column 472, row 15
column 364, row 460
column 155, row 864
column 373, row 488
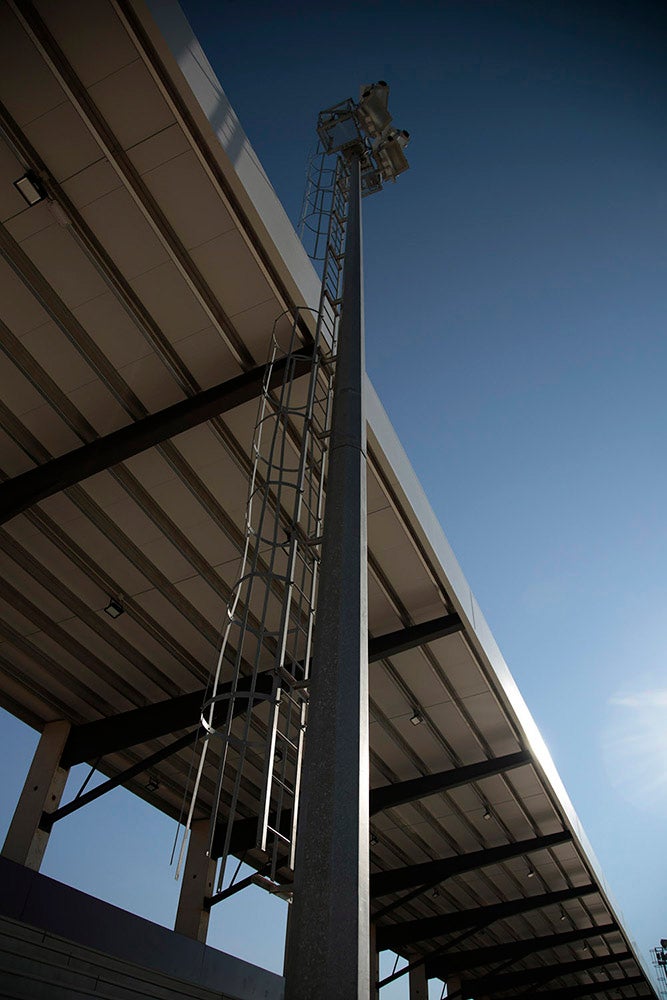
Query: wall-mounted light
column 114, row 608
column 417, row 718
column 30, row 188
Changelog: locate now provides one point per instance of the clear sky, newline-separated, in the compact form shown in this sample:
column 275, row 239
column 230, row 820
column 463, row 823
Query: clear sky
column 516, row 283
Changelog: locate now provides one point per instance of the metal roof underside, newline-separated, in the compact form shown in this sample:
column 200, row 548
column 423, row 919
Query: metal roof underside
column 155, row 270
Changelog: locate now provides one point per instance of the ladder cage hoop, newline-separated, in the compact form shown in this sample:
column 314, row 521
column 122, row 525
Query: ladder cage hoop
column 271, row 611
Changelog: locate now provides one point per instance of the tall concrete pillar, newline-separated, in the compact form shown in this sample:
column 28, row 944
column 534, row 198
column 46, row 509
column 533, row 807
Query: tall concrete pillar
column 25, row 842
column 418, row 983
column 328, row 947
column 192, row 917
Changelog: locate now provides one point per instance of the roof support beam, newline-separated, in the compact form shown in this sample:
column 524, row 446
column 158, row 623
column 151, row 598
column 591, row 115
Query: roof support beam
column 418, row 788
column 540, row 975
column 433, row 872
column 17, row 494
column 111, row 739
column 49, row 818
column 586, row 989
column 513, row 951
column 415, row 635
column 97, row 739
column 398, row 935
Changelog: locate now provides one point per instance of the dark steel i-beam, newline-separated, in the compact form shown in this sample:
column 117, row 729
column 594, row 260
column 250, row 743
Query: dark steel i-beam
column 397, row 935
column 17, row 494
column 433, row 872
column 512, row 951
column 327, row 954
column 585, row 989
column 541, row 974
column 113, row 740
column 418, row 788
column 93, row 740
column 414, row 635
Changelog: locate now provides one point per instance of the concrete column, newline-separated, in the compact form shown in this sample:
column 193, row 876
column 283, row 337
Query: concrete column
column 418, row 983
column 375, row 963
column 328, row 948
column 198, row 877
column 25, row 842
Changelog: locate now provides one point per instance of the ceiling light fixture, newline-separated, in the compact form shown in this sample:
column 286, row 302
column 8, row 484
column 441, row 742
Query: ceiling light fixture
column 114, row 608
column 30, row 188
column 152, row 784
column 417, row 718
column 531, row 872
column 374, row 840
column 487, row 813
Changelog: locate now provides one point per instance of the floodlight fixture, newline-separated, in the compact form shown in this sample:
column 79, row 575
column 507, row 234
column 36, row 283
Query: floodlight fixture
column 486, row 814
column 531, row 872
column 373, row 108
column 389, row 153
column 114, row 608
column 152, row 784
column 364, row 129
column 30, row 188
column 417, row 718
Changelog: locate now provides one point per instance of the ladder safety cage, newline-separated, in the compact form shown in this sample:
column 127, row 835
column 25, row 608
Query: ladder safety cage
column 258, row 737
column 271, row 610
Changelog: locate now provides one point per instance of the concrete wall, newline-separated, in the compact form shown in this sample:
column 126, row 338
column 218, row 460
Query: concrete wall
column 57, row 942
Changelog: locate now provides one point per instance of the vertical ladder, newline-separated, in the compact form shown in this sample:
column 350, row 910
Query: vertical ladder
column 257, row 752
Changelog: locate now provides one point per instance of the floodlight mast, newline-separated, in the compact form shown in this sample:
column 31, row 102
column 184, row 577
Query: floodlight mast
column 328, row 942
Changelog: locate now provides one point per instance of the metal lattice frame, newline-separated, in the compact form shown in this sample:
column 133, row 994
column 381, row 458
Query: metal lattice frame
column 271, row 611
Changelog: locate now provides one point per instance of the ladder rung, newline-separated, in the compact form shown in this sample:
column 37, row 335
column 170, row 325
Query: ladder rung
column 278, row 835
column 287, row 788
column 287, row 740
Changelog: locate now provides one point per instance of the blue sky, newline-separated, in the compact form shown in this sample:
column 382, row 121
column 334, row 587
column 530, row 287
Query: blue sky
column 516, row 320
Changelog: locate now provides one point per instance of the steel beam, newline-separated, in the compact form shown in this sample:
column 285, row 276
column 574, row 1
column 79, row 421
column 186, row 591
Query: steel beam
column 586, row 989
column 111, row 739
column 539, row 975
column 399, row 935
column 432, row 872
column 412, row 636
column 17, row 494
column 401, row 792
column 418, row 788
column 327, row 955
column 93, row 740
column 512, row 951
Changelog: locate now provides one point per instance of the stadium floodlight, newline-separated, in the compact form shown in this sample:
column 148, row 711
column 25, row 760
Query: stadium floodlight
column 373, row 108
column 388, row 152
column 364, row 129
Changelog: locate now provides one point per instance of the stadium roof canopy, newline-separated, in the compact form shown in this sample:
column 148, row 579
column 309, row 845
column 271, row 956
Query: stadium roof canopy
column 150, row 269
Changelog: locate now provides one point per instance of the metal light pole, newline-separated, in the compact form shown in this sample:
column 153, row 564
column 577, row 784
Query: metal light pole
column 327, row 953
column 327, row 949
